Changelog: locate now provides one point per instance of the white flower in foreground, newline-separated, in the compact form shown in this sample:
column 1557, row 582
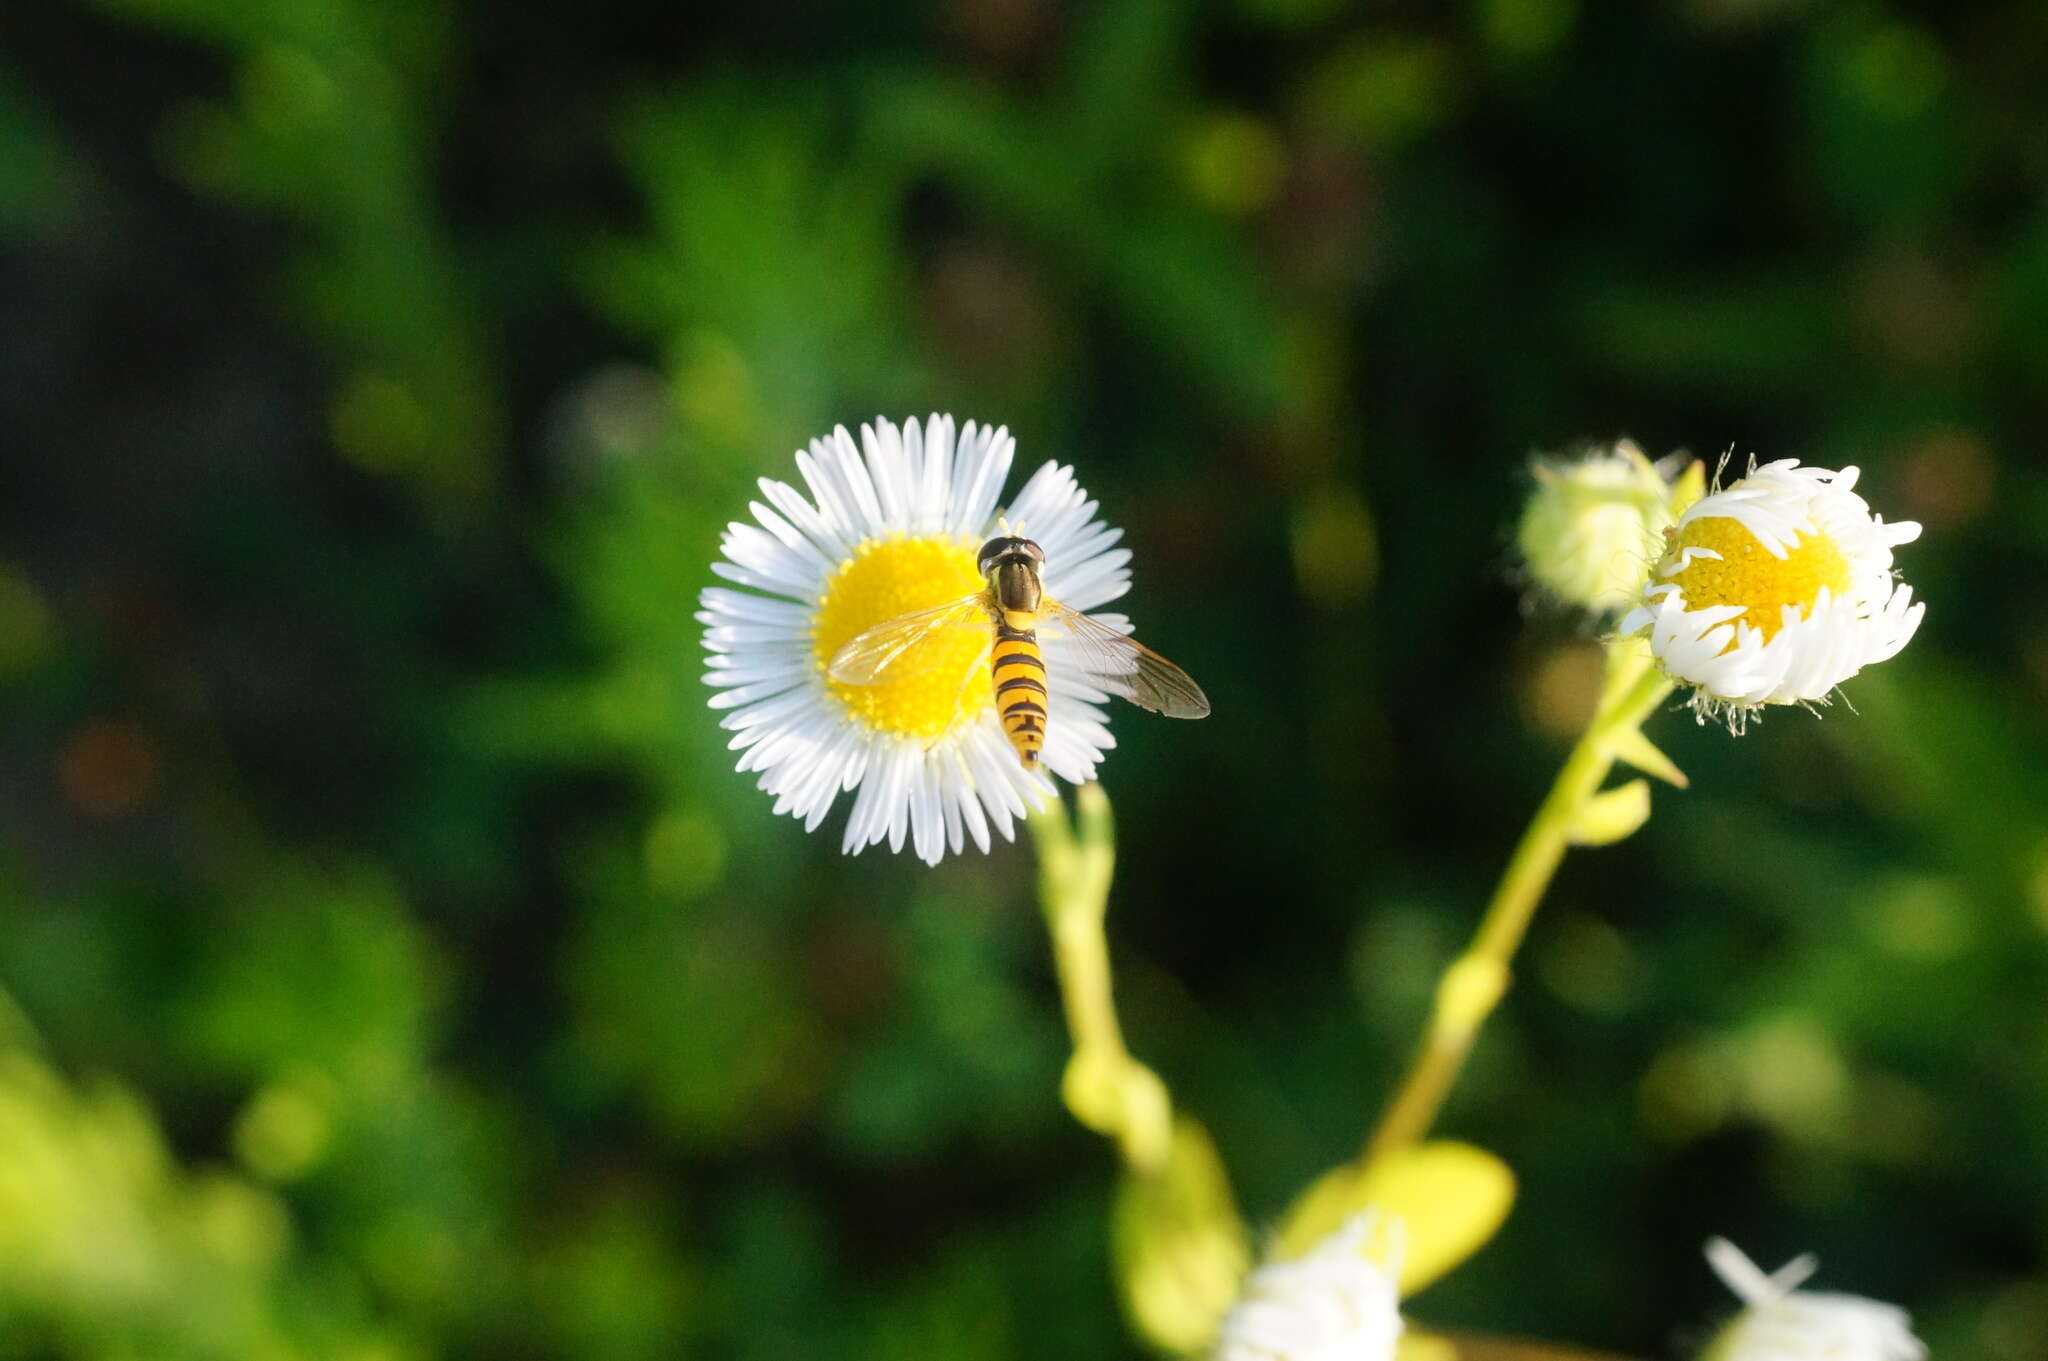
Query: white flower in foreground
column 1775, row 591
column 881, row 535
column 1783, row 1323
column 1594, row 525
column 1335, row 1304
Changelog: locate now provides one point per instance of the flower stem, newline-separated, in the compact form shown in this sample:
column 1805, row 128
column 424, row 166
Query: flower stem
column 1106, row 1089
column 1476, row 981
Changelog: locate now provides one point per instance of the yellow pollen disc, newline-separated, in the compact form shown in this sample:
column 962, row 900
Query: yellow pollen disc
column 1746, row 573
column 941, row 683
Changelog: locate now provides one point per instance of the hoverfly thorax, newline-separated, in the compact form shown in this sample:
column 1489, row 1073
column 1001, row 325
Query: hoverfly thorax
column 1011, row 565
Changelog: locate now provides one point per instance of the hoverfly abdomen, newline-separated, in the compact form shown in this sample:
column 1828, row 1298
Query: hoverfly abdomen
column 1019, row 672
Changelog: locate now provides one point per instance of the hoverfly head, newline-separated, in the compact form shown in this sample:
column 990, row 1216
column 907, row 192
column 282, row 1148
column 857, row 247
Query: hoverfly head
column 1010, row 564
column 1006, row 548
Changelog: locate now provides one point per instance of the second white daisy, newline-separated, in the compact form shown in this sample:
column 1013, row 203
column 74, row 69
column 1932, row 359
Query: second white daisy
column 1780, row 1322
column 1341, row 1302
column 890, row 527
column 1776, row 590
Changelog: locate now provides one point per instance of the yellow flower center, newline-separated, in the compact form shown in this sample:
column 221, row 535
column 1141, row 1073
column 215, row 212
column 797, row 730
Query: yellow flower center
column 935, row 684
column 1747, row 574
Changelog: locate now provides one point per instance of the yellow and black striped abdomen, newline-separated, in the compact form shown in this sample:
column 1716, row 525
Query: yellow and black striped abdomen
column 1020, row 689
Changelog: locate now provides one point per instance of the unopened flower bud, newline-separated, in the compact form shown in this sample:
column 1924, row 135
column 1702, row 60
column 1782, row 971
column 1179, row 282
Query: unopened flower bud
column 1594, row 525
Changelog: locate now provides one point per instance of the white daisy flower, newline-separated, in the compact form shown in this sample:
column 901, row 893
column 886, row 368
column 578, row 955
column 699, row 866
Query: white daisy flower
column 1335, row 1304
column 1775, row 591
column 890, row 527
column 1783, row 1323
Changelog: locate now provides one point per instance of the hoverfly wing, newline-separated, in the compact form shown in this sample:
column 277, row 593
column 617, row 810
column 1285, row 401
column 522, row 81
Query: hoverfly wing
column 1123, row 666
column 896, row 650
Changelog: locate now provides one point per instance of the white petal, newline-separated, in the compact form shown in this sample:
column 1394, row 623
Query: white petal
column 935, row 472
column 981, row 466
column 745, row 605
column 884, row 445
column 827, row 537
column 1048, row 491
column 927, row 816
column 855, row 476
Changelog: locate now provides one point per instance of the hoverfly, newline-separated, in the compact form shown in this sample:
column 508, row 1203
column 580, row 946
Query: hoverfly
column 1010, row 610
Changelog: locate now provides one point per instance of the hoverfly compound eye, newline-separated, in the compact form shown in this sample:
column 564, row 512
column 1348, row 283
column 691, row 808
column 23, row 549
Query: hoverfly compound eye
column 992, row 550
column 1031, row 550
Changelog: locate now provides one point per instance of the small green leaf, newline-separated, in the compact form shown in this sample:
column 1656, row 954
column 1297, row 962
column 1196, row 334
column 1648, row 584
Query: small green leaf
column 1181, row 1249
column 1612, row 814
column 1639, row 751
column 1414, row 1346
column 1689, row 487
column 1449, row 1198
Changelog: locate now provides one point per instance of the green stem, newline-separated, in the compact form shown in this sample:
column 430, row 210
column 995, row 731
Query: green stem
column 1477, row 980
column 1105, row 1088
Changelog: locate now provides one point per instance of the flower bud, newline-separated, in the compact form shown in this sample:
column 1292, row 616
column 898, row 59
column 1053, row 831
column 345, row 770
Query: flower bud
column 1593, row 527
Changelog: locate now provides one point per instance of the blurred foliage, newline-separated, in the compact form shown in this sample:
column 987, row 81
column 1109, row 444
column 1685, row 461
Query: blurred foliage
column 333, row 122
column 397, row 968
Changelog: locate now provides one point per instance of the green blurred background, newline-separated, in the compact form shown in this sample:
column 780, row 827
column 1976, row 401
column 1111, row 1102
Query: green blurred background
column 395, row 968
